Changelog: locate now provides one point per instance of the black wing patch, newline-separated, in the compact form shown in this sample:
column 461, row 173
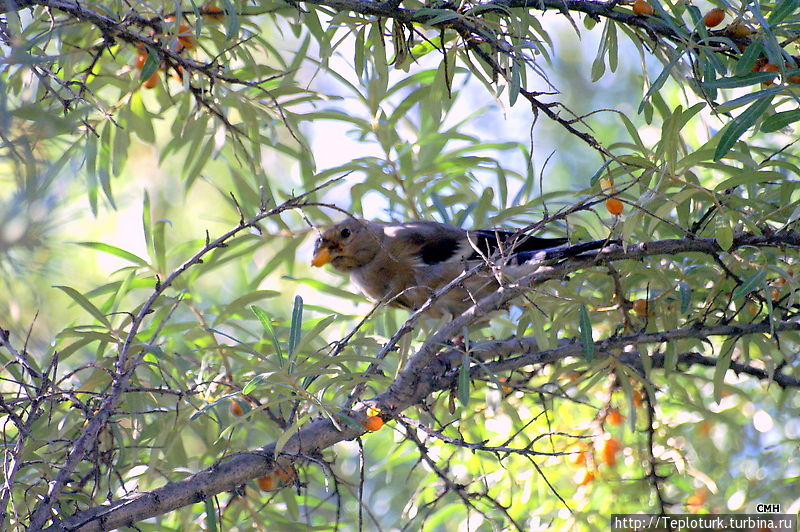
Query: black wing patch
column 439, row 250
column 490, row 241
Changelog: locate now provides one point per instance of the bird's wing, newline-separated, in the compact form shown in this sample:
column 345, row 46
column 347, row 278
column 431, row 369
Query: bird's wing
column 432, row 243
column 427, row 243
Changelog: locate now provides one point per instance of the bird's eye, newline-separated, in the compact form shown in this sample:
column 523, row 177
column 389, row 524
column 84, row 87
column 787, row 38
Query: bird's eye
column 345, row 233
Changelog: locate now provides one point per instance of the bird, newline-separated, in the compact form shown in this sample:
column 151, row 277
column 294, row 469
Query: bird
column 402, row 264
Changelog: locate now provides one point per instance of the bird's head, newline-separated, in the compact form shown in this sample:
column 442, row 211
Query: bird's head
column 347, row 245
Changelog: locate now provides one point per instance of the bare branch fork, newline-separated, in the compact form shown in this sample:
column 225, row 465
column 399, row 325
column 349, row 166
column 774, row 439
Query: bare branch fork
column 428, row 371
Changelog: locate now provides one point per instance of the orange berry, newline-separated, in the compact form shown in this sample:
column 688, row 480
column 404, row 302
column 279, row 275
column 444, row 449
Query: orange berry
column 613, row 417
column 505, row 389
column 608, row 448
column 141, row 58
column 760, row 62
column 642, row 308
column 696, row 500
column 185, row 37
column 714, row 17
column 150, row 83
column 235, row 408
column 286, row 476
column 266, row 483
column 212, row 12
column 577, row 455
column 738, row 29
column 641, row 8
column 775, row 294
column 614, row 206
column 638, row 398
column 373, row 423
column 583, row 477
column 177, row 72
column 704, row 428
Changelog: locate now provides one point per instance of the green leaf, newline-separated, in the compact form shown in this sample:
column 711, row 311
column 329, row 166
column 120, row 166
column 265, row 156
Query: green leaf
column 288, row 433
column 297, row 324
column 747, row 98
column 782, row 10
column 660, row 80
column 437, row 16
column 750, row 283
column 254, row 383
column 150, row 65
column 514, row 86
column 739, row 125
column 585, row 329
column 768, row 299
column 147, row 222
column 160, row 245
column 81, row 300
column 670, row 357
column 211, row 515
column 723, row 363
column 463, row 380
column 748, row 59
column 231, row 20
column 596, row 177
column 686, row 296
column 113, row 250
column 724, row 234
column 745, row 80
column 267, row 325
column 780, row 120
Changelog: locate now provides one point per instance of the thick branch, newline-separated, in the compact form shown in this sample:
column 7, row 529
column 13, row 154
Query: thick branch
column 572, row 348
column 407, row 380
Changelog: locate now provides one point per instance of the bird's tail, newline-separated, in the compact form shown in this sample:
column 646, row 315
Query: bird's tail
column 559, row 252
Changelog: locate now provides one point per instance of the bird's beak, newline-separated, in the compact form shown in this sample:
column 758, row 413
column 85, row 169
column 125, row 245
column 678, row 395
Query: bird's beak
column 321, row 257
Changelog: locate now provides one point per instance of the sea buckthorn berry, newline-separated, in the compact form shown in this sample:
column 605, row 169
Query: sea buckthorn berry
column 235, row 408
column 738, row 29
column 583, row 477
column 266, row 483
column 714, row 17
column 373, row 423
column 614, row 206
column 608, row 448
column 150, row 83
column 212, row 12
column 613, row 417
column 641, row 8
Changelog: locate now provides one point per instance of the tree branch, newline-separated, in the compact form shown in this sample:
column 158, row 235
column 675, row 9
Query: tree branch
column 124, row 367
column 426, row 373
